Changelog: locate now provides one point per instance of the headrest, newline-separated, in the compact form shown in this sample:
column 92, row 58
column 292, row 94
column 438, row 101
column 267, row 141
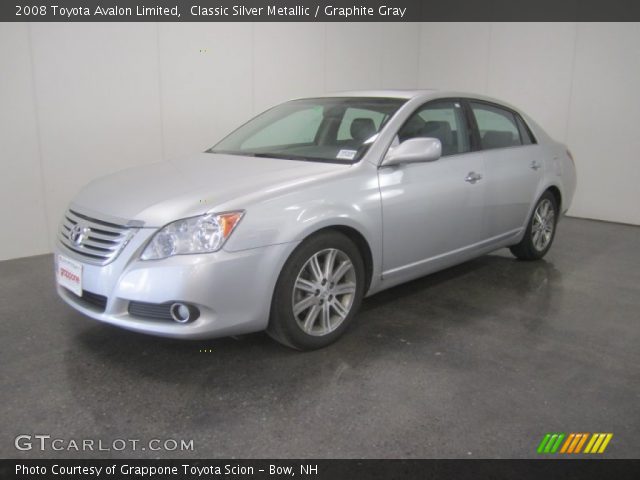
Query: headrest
column 362, row 129
column 439, row 130
column 412, row 128
column 497, row 139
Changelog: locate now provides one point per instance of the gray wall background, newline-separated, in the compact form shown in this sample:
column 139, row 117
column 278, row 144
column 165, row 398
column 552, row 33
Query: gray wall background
column 78, row 101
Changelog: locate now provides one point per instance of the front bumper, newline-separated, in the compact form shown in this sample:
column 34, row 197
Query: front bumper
column 232, row 290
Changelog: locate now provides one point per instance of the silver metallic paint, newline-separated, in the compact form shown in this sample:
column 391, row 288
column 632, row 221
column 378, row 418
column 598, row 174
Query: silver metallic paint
column 416, row 218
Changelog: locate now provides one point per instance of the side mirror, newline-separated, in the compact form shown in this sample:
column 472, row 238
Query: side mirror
column 414, row 150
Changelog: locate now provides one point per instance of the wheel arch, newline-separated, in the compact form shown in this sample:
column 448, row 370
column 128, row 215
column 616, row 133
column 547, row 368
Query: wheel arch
column 361, row 243
column 358, row 238
column 275, row 328
column 555, row 191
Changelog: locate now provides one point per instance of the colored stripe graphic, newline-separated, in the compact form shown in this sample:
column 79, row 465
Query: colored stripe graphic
column 576, row 439
column 598, row 443
column 543, row 443
column 567, row 442
column 573, row 443
column 556, row 445
column 550, row 442
column 605, row 443
column 591, row 442
column 581, row 443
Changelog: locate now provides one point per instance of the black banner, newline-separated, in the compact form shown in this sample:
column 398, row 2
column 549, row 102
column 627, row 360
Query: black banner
column 317, row 10
column 319, row 469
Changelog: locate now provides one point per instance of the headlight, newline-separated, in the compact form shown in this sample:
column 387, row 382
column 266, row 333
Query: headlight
column 203, row 234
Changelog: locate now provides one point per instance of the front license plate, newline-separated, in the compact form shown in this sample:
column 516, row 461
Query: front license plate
column 69, row 274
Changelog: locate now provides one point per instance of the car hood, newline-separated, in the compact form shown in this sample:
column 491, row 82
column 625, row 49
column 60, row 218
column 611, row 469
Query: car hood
column 159, row 193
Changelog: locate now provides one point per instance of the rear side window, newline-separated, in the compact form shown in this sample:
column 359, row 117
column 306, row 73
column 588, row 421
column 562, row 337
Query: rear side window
column 525, row 133
column 498, row 127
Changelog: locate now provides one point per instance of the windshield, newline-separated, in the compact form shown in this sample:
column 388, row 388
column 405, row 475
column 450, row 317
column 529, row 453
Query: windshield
column 316, row 129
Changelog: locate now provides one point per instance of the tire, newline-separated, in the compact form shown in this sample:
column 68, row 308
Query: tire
column 307, row 312
column 541, row 229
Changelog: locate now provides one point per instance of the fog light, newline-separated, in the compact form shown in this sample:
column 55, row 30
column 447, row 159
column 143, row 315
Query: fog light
column 183, row 313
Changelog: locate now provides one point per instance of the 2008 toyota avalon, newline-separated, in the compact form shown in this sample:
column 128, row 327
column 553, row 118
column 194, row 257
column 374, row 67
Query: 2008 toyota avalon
column 288, row 222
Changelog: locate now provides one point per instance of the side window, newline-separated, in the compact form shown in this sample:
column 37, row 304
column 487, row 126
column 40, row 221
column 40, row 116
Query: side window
column 443, row 120
column 351, row 114
column 298, row 128
column 498, row 127
column 525, row 133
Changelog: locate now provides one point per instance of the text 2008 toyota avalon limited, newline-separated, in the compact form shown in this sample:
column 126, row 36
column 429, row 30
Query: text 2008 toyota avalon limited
column 287, row 223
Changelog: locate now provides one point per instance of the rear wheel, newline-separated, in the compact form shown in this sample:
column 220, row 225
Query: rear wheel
column 319, row 290
column 540, row 231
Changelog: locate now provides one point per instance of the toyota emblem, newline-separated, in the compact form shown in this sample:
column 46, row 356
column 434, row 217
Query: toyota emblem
column 77, row 234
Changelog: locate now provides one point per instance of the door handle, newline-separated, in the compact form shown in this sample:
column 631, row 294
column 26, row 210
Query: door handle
column 535, row 165
column 473, row 177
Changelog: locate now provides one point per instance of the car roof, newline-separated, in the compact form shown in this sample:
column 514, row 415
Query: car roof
column 421, row 94
column 427, row 94
column 391, row 93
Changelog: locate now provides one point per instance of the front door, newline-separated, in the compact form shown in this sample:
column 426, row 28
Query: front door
column 433, row 212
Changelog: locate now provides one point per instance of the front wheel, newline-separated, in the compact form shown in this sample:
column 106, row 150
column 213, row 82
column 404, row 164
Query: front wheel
column 541, row 230
column 319, row 290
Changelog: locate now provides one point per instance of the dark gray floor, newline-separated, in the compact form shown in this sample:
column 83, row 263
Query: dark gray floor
column 478, row 361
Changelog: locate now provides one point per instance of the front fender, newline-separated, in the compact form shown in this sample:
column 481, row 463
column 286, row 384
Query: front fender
column 352, row 202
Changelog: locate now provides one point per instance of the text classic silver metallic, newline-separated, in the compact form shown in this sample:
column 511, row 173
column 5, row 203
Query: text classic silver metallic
column 287, row 223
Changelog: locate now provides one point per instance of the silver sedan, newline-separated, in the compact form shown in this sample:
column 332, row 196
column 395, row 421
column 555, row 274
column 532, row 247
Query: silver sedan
column 288, row 222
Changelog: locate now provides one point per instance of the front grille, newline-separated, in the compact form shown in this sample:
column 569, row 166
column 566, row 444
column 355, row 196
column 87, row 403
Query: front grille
column 152, row 311
column 96, row 241
column 90, row 299
column 94, row 299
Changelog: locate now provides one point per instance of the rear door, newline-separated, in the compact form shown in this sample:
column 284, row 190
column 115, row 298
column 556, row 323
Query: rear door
column 513, row 167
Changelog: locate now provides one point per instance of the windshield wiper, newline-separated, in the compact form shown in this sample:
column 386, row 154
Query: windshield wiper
column 282, row 156
column 279, row 155
column 228, row 152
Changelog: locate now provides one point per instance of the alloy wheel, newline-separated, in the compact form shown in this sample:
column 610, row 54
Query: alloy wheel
column 543, row 225
column 323, row 292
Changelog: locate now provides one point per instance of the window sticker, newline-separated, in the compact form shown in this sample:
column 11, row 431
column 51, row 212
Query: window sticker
column 346, row 154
